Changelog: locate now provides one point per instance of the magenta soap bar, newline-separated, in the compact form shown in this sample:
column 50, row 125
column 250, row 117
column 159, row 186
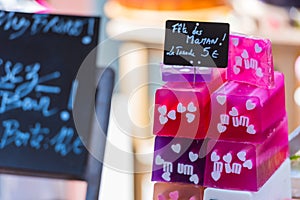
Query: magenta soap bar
column 175, row 191
column 183, row 109
column 179, row 160
column 177, row 73
column 250, row 60
column 246, row 165
column 243, row 112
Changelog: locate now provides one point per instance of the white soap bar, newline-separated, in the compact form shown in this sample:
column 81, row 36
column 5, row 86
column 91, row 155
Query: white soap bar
column 278, row 187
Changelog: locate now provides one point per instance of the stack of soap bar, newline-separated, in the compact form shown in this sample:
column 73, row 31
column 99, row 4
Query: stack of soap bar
column 182, row 107
column 227, row 136
column 249, row 132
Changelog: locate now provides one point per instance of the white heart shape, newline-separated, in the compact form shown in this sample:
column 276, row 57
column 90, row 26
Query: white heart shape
column 245, row 54
column 193, row 156
column 258, row 49
column 221, row 128
column 227, row 158
column 163, row 119
column 251, row 130
column 216, row 175
column 190, row 117
column 176, row 148
column 166, row 176
column 162, row 109
column 194, row 179
column 235, row 41
column 236, row 70
column 192, row 107
column 214, row 157
column 250, row 105
column 234, row 112
column 181, row 108
column 242, row 155
column 159, row 160
column 259, row 72
column 221, row 99
column 248, row 164
column 172, row 114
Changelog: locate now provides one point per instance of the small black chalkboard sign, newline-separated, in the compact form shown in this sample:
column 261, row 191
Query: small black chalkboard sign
column 40, row 56
column 191, row 43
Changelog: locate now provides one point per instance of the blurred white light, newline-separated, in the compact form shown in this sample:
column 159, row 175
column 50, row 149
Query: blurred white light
column 297, row 96
column 297, row 68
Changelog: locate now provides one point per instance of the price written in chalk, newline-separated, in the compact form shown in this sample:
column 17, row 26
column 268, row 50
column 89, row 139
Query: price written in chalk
column 201, row 44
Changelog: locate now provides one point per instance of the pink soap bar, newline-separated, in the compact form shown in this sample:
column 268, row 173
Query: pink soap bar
column 174, row 191
column 244, row 165
column 183, row 109
column 243, row 112
column 250, row 60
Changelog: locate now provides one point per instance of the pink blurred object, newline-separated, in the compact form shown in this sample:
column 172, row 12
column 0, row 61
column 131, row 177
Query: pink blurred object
column 243, row 112
column 250, row 60
column 183, row 109
column 246, row 166
column 174, row 191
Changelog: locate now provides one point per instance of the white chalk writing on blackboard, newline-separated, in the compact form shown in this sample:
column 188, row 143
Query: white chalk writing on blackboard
column 192, row 43
column 22, row 87
column 43, row 23
column 15, row 88
column 64, row 142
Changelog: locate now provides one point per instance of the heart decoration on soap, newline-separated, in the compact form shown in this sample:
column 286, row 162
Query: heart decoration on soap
column 172, row 114
column 174, row 195
column 193, row 156
column 216, row 175
column 190, row 117
column 242, row 155
column 166, row 176
column 234, row 112
column 163, row 120
column 259, row 72
column 193, row 198
column 162, row 110
column 176, row 148
column 221, row 128
column 251, row 130
column 194, row 179
column 257, row 48
column 250, row 105
column 161, row 197
column 192, row 107
column 159, row 160
column 214, row 157
column 245, row 54
column 235, row 41
column 236, row 70
column 221, row 99
column 227, row 158
column 181, row 108
column 248, row 164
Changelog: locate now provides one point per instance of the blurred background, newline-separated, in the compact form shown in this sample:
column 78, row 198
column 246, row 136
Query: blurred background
column 131, row 41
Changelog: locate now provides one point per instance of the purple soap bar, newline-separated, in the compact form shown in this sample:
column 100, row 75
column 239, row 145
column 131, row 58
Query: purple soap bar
column 250, row 60
column 175, row 191
column 178, row 160
column 177, row 73
column 243, row 112
column 246, row 165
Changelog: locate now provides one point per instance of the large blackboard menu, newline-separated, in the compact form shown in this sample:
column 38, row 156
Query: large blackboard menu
column 40, row 55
